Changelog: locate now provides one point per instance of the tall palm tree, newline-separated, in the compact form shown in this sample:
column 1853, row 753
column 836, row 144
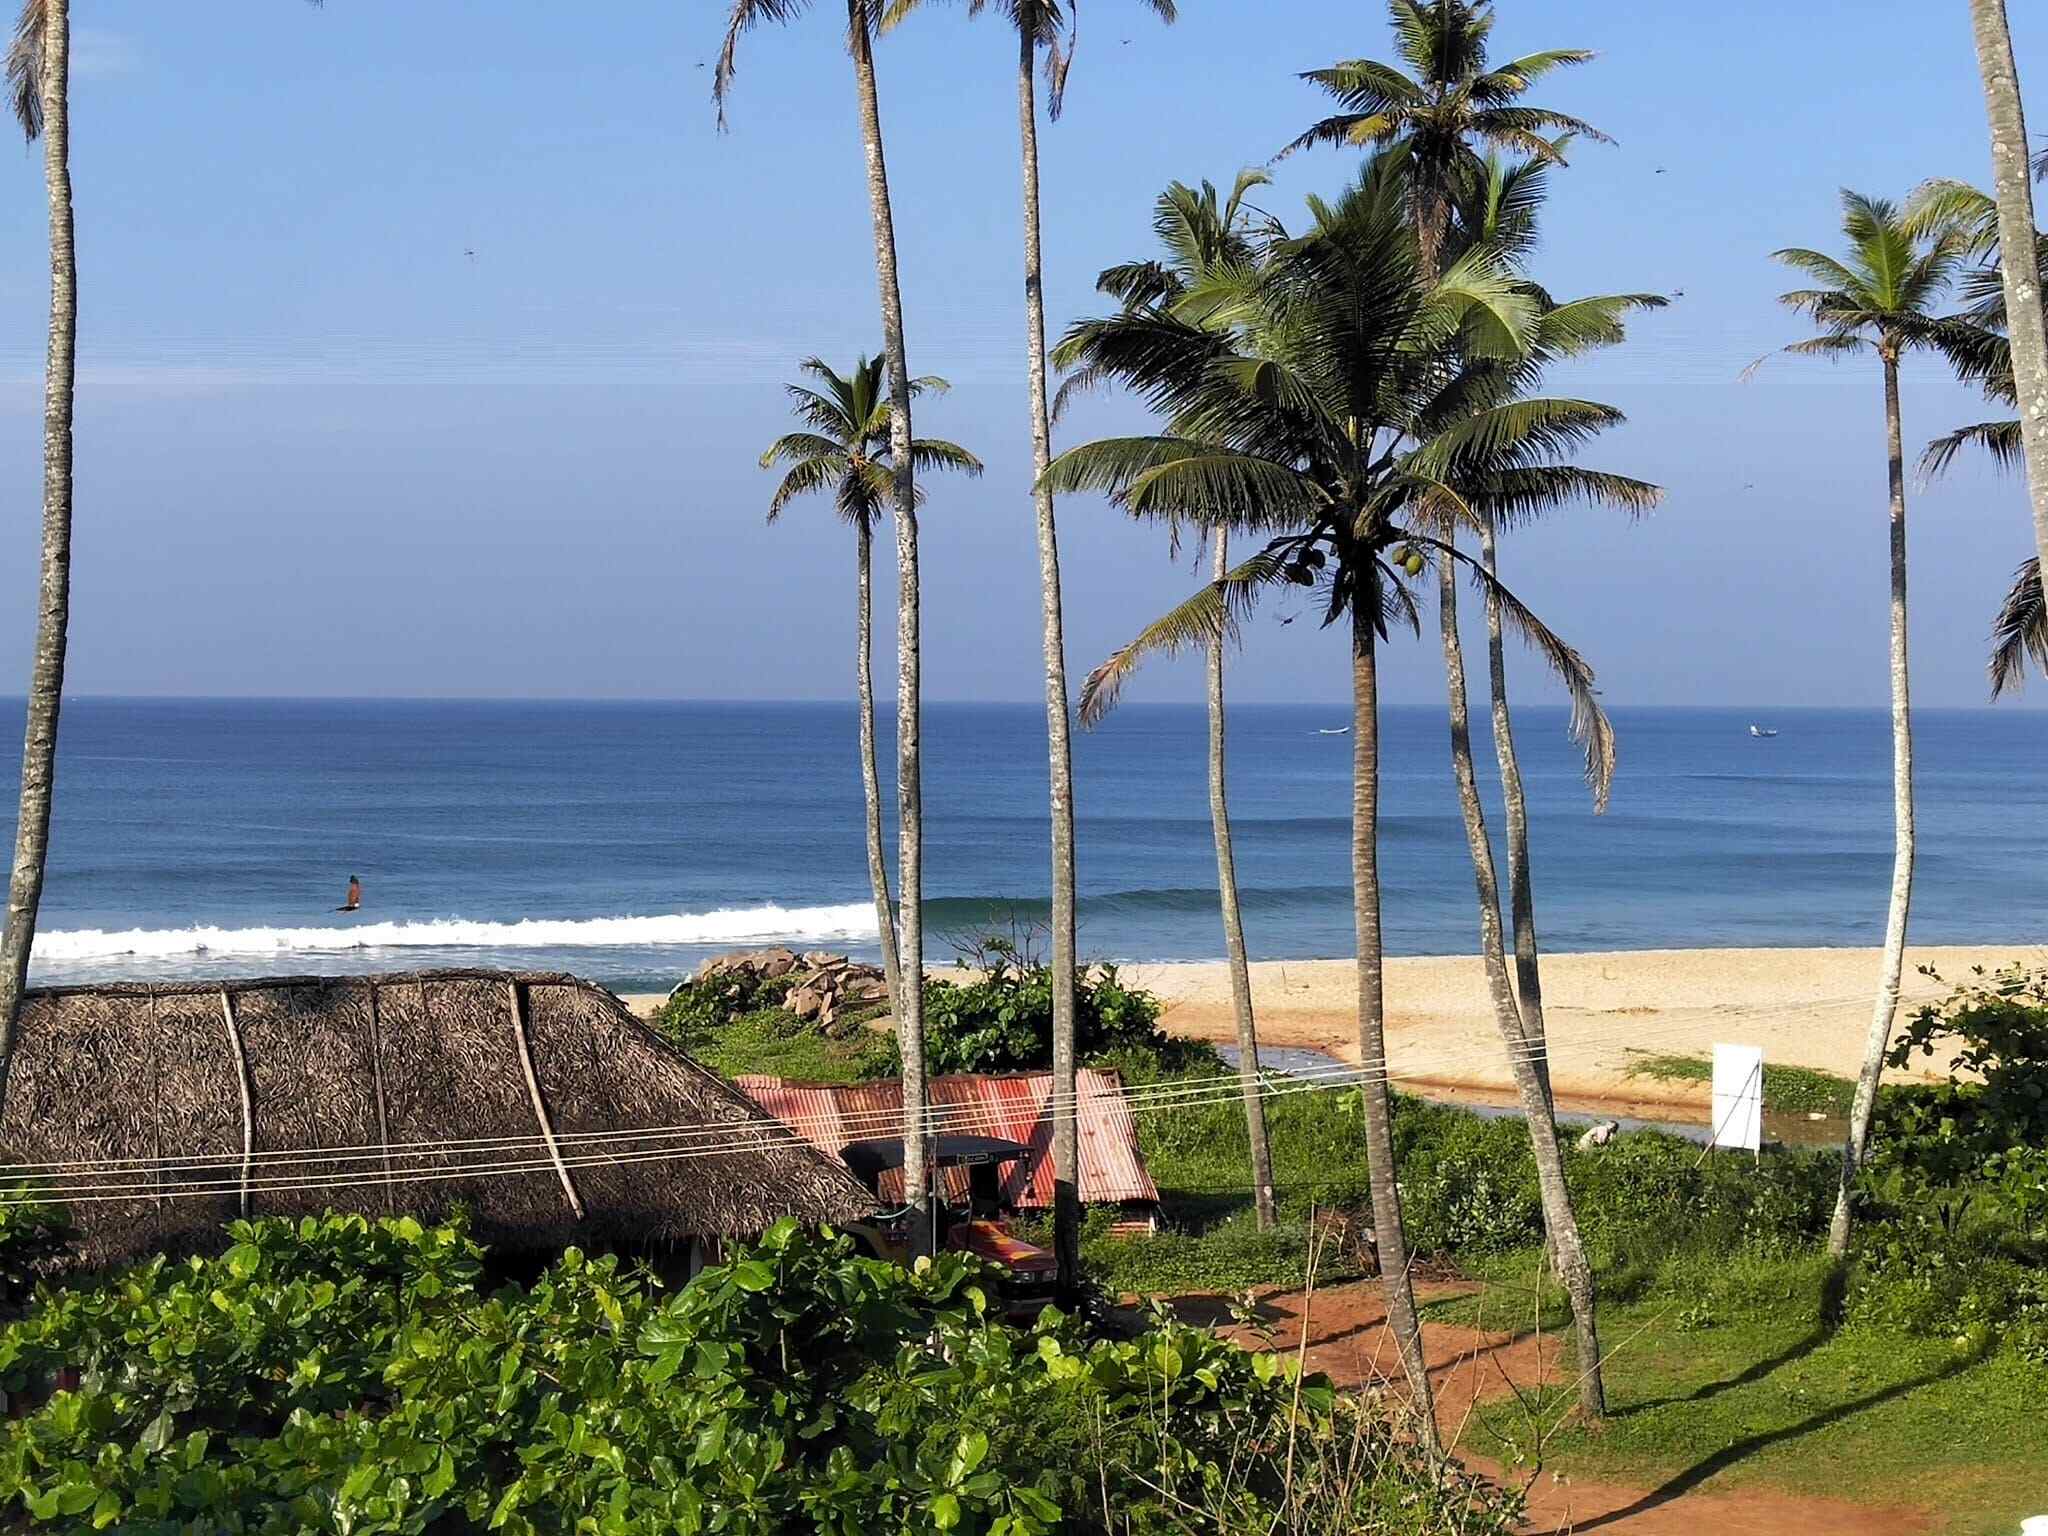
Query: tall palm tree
column 39, row 79
column 1495, row 452
column 1202, row 236
column 1439, row 118
column 860, row 31
column 1291, row 424
column 1880, row 297
column 2027, row 327
column 1047, row 27
column 844, row 449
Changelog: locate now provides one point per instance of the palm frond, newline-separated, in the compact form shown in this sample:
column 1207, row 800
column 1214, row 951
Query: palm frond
column 25, row 66
column 743, row 18
column 2000, row 439
column 802, row 445
column 934, row 453
column 1208, row 615
column 806, row 476
column 2021, row 630
column 1514, row 496
column 1589, row 723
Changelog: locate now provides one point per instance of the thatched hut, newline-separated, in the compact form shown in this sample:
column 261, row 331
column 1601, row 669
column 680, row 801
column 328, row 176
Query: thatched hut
column 536, row 1101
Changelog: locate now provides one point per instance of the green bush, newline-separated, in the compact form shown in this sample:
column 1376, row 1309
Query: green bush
column 1000, row 1020
column 32, row 1233
column 350, row 1376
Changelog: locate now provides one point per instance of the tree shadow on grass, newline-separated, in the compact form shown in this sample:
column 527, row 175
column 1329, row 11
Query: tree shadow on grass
column 1685, row 1482
column 1834, row 1291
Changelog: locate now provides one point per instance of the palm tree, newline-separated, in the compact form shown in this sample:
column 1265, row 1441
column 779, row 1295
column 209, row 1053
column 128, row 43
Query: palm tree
column 39, row 78
column 1203, row 236
column 1044, row 26
column 1438, row 118
column 2027, row 327
column 1880, row 297
column 1451, row 102
column 844, row 449
column 860, row 29
column 1291, row 423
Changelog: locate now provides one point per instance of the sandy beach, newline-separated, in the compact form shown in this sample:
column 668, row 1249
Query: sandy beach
column 1805, row 1007
column 1605, row 1012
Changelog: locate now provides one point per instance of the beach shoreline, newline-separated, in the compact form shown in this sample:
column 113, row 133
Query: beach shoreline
column 1605, row 1012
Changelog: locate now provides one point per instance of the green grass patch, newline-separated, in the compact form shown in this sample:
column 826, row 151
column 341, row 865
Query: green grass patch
column 1722, row 1372
column 778, row 1044
column 1789, row 1090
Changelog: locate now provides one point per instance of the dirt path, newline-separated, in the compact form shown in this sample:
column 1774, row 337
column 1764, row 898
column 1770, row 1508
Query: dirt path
column 1476, row 1373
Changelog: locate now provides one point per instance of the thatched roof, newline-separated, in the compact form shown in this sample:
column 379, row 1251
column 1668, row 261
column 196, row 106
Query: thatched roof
column 296, row 1094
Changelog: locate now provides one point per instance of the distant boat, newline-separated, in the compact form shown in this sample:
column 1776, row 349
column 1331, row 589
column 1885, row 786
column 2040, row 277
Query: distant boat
column 1342, row 730
column 1762, row 731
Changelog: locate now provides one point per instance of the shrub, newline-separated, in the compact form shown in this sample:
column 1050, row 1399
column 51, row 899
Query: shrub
column 1000, row 1020
column 348, row 1375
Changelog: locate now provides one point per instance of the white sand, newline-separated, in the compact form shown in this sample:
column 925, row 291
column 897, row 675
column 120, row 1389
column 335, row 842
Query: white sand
column 1805, row 1007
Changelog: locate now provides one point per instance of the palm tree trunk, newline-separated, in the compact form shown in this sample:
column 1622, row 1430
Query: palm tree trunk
column 1521, row 891
column 1066, row 1154
column 870, row 778
column 1865, row 1103
column 2023, row 308
column 909, row 763
column 1233, row 929
column 53, row 612
column 1560, row 1224
column 1390, row 1237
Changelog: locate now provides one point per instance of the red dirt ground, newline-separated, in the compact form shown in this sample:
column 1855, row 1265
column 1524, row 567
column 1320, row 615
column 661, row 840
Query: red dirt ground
column 1471, row 1371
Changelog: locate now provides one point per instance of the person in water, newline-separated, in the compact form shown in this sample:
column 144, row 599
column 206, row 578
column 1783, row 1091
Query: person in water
column 355, row 895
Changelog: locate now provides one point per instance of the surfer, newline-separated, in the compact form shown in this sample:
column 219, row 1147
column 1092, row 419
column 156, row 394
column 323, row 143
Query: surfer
column 355, row 896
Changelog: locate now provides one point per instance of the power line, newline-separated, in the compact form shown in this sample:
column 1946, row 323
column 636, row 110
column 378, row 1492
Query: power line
column 693, row 1140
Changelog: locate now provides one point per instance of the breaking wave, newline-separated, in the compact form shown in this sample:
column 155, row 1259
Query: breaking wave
column 731, row 925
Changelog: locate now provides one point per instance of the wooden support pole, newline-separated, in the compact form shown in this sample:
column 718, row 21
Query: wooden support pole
column 227, row 1013
column 377, row 1086
column 517, row 994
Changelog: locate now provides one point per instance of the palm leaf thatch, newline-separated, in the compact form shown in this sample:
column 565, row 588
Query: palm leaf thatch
column 157, row 1112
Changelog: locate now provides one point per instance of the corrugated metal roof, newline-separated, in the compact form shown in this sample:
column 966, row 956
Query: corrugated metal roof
column 830, row 1115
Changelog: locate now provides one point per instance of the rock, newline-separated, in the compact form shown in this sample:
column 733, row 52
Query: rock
column 1598, row 1135
column 817, row 959
column 805, row 1002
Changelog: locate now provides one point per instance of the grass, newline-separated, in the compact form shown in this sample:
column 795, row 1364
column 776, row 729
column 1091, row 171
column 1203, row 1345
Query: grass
column 1721, row 1373
column 778, row 1044
column 1792, row 1090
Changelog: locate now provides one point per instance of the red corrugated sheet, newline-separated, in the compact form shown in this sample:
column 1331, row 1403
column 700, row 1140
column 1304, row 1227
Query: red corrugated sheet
column 830, row 1115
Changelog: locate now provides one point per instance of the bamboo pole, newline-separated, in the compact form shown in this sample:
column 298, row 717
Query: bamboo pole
column 540, row 1108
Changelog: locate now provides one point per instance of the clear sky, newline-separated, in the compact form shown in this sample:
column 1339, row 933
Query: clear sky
column 323, row 450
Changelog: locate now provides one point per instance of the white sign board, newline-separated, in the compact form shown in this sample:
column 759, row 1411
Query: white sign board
column 1738, row 1097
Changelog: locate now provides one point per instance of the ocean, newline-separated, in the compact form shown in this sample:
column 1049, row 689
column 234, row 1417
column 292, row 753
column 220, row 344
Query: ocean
column 625, row 842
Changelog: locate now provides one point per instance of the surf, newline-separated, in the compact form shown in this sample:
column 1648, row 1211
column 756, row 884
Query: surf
column 726, row 925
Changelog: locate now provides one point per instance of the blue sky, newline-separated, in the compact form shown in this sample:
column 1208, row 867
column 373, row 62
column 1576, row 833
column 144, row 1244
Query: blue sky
column 321, row 450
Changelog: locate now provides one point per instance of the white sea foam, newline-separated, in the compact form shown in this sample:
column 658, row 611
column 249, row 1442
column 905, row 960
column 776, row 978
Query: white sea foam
column 731, row 925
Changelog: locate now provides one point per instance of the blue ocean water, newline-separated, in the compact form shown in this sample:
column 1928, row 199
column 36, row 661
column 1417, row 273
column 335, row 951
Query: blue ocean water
column 626, row 841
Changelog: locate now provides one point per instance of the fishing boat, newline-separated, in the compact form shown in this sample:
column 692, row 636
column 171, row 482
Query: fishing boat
column 1763, row 731
column 1342, row 730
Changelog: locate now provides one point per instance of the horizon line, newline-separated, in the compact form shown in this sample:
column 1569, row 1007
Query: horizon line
column 2020, row 706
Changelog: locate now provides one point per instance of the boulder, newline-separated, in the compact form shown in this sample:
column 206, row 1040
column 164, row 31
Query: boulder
column 807, row 1003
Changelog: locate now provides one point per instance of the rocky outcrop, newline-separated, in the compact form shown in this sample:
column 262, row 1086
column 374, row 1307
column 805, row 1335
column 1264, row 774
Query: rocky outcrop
column 827, row 989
